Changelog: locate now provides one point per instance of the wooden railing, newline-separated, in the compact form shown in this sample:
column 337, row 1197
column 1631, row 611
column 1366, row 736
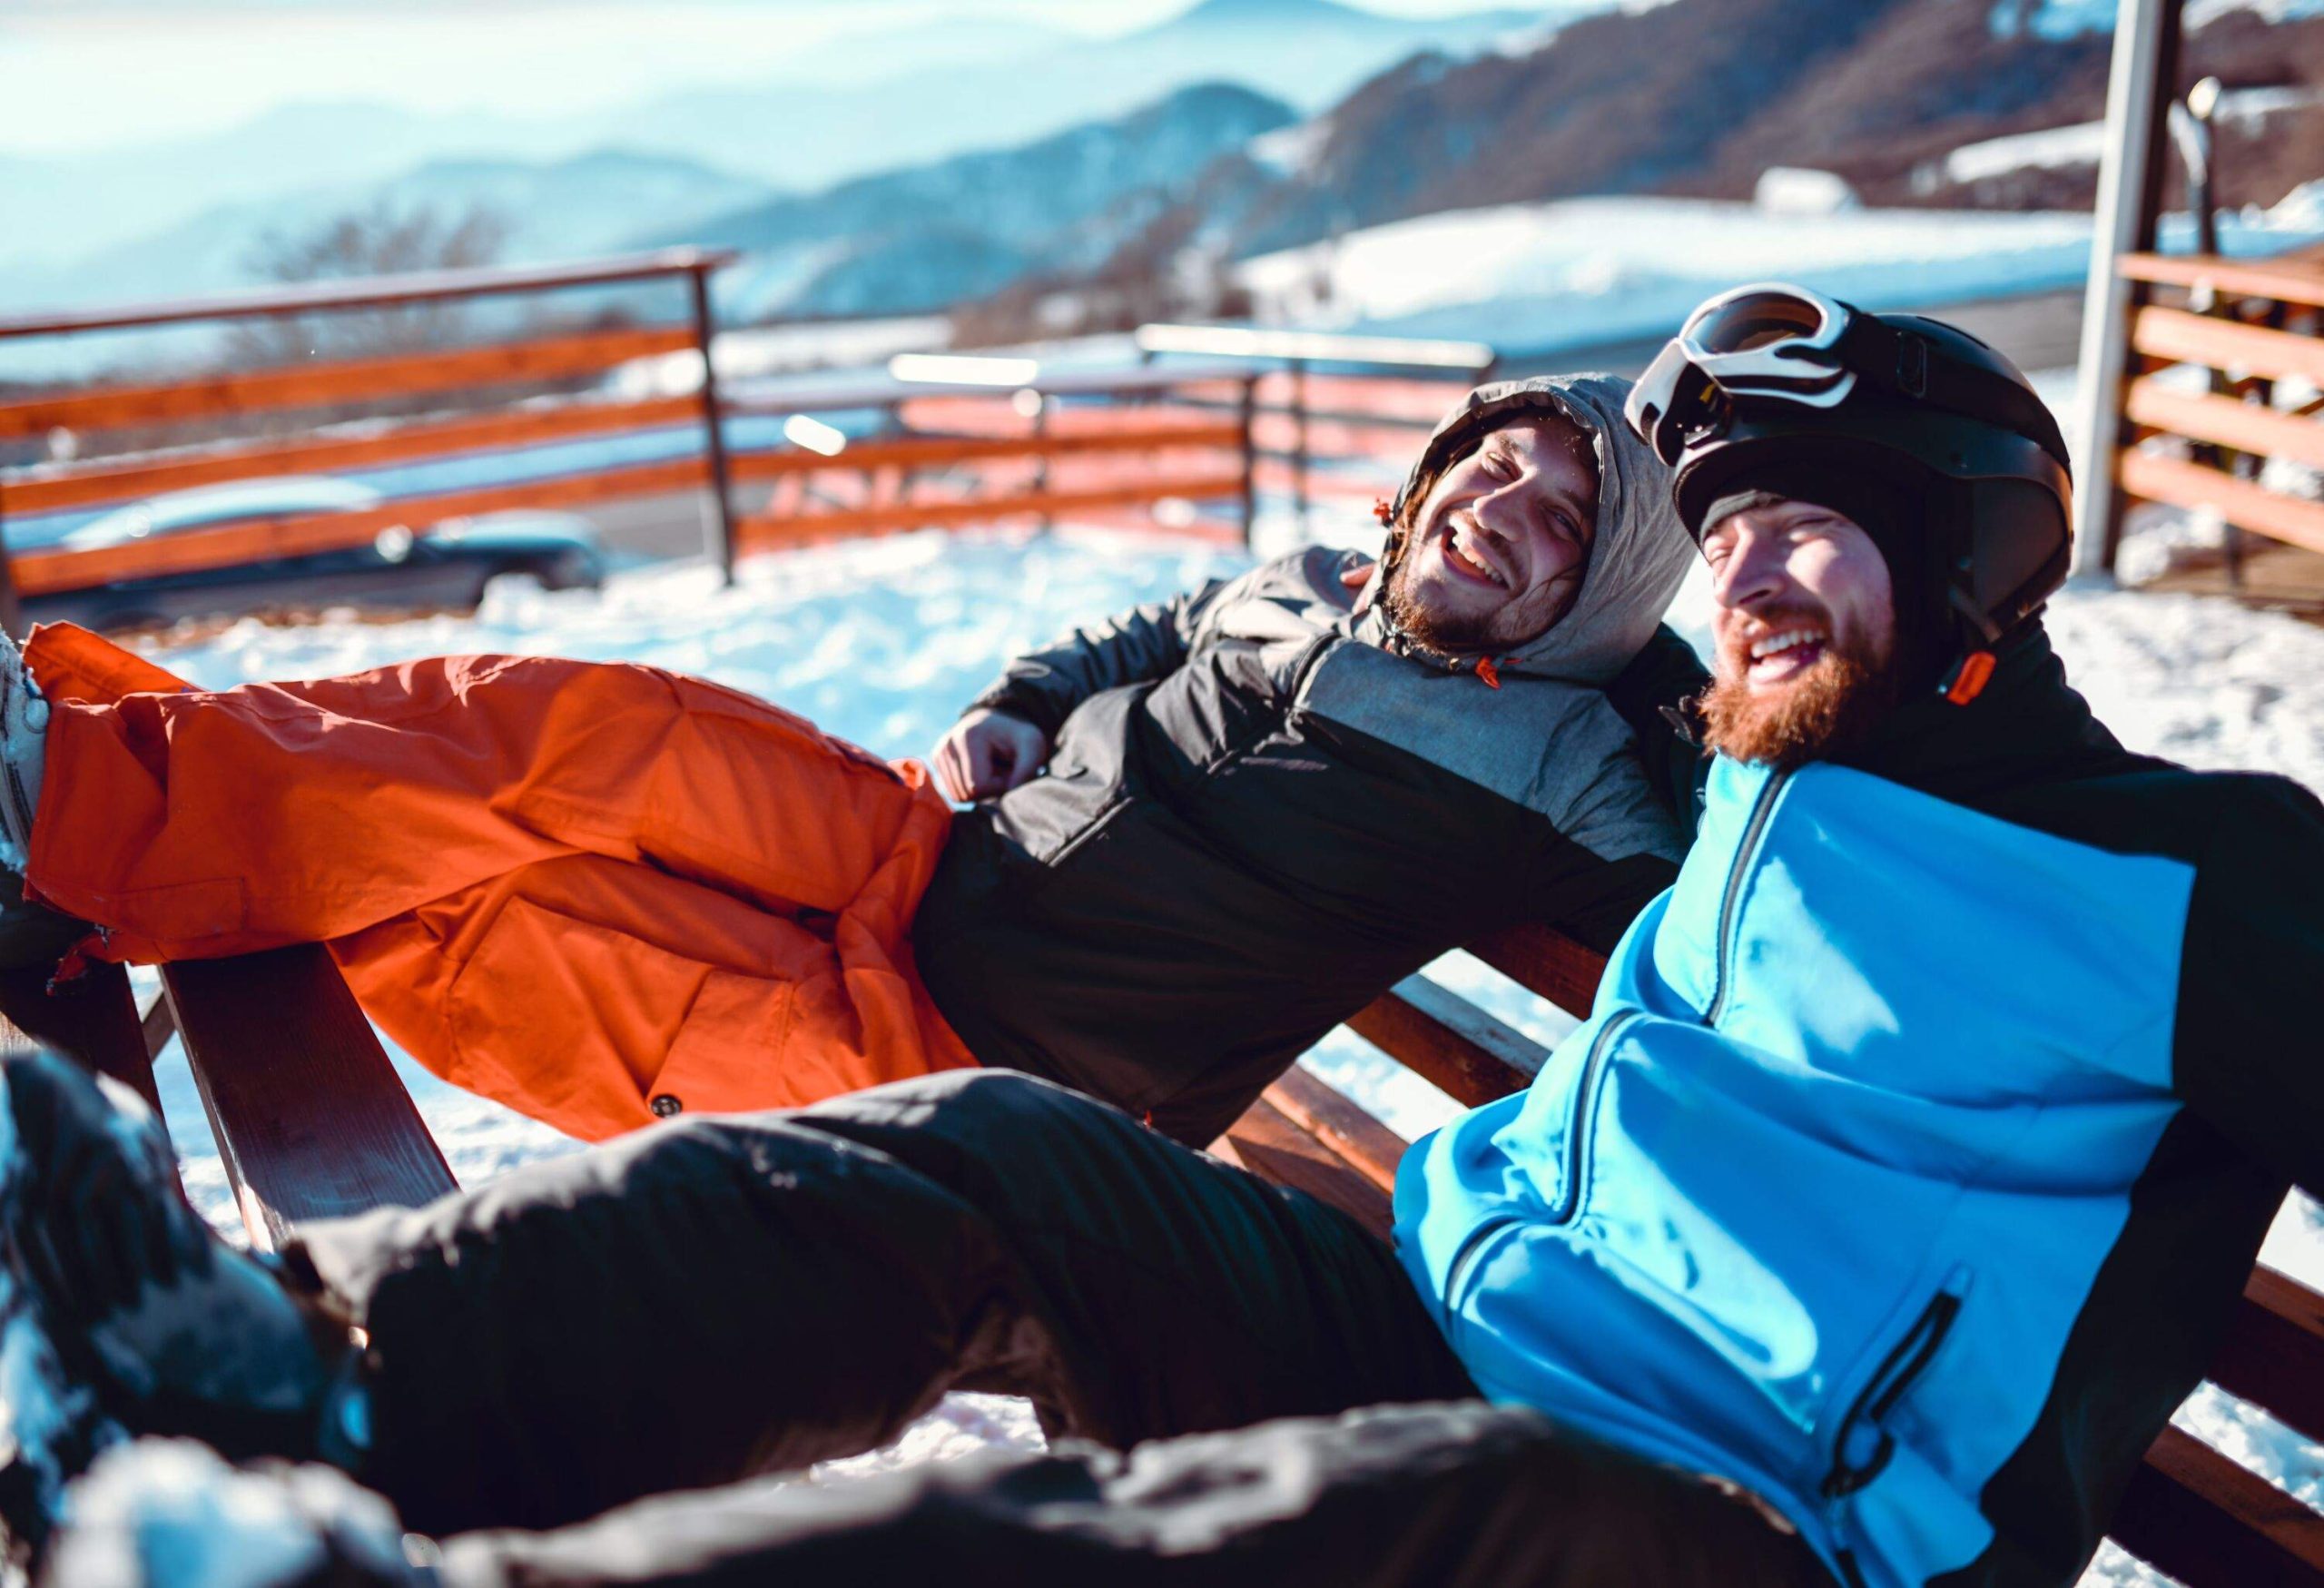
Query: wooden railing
column 1215, row 416
column 1335, row 417
column 2204, row 411
column 478, row 378
column 987, row 440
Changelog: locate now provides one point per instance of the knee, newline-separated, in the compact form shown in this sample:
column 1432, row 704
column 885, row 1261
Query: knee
column 974, row 1102
column 959, row 1124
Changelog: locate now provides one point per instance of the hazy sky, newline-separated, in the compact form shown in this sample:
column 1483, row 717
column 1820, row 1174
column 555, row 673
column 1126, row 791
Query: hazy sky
column 79, row 74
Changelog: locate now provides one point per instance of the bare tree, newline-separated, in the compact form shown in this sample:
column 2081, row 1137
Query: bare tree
column 383, row 239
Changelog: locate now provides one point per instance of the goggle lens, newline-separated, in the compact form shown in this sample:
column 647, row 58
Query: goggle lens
column 1755, row 319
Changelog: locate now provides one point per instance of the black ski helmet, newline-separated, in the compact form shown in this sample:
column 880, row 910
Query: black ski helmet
column 1768, row 380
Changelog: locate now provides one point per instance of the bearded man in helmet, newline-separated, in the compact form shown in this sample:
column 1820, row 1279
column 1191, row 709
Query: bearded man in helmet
column 1866, row 1234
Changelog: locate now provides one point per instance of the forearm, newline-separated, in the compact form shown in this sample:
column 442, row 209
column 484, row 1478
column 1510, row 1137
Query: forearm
column 1043, row 687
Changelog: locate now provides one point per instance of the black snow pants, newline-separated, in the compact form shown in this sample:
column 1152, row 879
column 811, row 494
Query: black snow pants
column 1242, row 1385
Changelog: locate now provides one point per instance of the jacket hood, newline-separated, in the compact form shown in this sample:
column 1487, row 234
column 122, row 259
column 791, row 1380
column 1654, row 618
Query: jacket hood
column 1639, row 554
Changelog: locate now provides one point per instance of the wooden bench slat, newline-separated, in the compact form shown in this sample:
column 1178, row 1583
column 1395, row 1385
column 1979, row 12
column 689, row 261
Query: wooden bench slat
column 1449, row 1042
column 1546, row 962
column 312, row 1119
column 157, row 1025
column 2274, row 1355
column 93, row 1020
column 1340, row 1123
column 1265, row 1141
column 2193, row 1515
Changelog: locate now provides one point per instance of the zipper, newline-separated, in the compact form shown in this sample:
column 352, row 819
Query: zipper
column 1465, row 1258
column 1089, row 829
column 1898, row 1372
column 1578, row 1131
column 1732, row 903
column 1577, row 1164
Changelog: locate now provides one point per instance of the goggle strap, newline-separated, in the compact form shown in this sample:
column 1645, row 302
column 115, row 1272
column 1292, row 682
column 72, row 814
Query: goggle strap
column 1898, row 362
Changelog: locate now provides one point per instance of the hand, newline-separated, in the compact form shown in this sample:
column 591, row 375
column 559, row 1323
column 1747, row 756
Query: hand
column 989, row 752
column 1359, row 579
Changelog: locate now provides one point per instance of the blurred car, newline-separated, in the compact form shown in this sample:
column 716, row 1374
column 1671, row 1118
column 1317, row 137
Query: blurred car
column 438, row 566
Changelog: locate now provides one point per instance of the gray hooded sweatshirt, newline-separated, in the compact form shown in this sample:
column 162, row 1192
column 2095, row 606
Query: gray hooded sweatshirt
column 1265, row 807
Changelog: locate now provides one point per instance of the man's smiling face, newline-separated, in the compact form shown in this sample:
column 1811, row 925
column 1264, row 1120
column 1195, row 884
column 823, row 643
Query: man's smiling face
column 1501, row 540
column 1806, row 630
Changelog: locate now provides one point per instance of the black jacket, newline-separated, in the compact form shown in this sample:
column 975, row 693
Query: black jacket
column 1253, row 825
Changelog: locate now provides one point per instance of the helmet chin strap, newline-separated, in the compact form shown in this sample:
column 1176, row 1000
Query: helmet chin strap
column 1967, row 679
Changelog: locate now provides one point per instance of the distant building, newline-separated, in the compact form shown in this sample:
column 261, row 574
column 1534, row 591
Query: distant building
column 1795, row 190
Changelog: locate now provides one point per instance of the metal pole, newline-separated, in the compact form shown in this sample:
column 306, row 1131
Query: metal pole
column 11, row 618
column 1250, row 463
column 1041, row 462
column 1299, row 442
column 719, row 531
column 2130, row 191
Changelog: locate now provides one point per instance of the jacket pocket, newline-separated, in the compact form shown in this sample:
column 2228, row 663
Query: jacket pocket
column 1862, row 1444
column 580, row 1025
column 1465, row 1258
column 729, row 1056
column 1581, row 1123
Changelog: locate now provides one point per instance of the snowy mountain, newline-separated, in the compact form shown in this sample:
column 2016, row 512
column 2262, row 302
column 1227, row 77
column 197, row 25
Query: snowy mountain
column 929, row 236
column 1701, row 97
column 550, row 210
column 878, row 98
column 1306, row 52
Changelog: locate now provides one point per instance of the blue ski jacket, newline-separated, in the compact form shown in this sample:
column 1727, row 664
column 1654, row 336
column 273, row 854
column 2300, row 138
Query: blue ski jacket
column 1913, row 1155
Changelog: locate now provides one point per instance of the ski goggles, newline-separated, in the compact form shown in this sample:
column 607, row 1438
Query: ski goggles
column 1766, row 341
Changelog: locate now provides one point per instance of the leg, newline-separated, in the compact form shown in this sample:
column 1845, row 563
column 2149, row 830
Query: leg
column 728, row 1297
column 195, row 824
column 1458, row 1496
column 585, row 992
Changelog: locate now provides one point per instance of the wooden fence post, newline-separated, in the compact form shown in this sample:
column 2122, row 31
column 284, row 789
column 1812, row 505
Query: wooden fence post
column 720, row 525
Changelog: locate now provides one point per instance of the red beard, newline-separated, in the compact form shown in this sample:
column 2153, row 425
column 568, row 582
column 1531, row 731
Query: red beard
column 1827, row 711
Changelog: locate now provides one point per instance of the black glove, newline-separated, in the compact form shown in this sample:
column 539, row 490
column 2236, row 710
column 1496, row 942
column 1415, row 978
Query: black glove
column 98, row 1213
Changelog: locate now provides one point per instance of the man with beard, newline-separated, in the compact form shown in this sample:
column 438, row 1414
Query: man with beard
column 1866, row 1234
column 604, row 893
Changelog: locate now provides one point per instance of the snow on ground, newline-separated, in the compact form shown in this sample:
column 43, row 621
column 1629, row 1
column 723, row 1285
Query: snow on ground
column 1587, row 272
column 883, row 641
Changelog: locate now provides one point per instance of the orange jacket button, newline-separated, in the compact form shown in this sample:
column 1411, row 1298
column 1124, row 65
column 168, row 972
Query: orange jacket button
column 664, row 1105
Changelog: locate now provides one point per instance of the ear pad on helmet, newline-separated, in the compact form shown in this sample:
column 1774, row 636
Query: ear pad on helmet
column 2019, row 548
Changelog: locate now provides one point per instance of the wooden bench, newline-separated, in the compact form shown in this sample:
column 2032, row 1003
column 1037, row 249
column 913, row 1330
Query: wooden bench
column 311, row 1120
